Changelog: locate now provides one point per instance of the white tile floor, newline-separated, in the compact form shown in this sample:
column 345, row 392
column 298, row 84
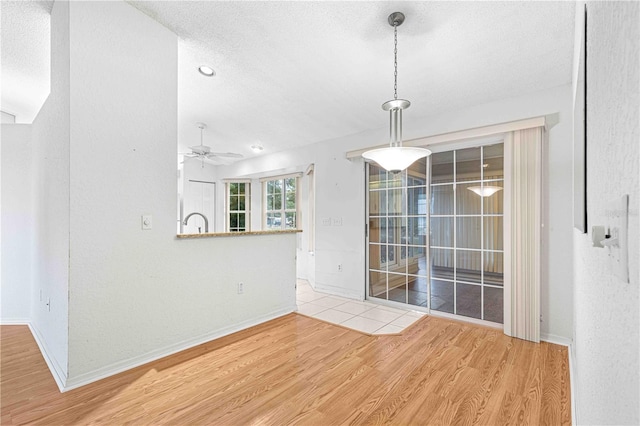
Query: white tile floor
column 362, row 316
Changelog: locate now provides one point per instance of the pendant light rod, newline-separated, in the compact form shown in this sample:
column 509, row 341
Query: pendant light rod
column 396, row 157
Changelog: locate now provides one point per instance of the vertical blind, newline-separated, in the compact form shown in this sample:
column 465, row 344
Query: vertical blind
column 523, row 183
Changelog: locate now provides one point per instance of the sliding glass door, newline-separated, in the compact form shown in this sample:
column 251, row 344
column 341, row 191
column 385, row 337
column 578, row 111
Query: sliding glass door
column 436, row 233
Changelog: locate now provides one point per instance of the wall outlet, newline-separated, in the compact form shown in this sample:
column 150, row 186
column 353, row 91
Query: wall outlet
column 240, row 288
column 339, row 267
column 337, row 221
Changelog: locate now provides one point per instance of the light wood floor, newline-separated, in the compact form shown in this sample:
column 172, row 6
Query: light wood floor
column 298, row 370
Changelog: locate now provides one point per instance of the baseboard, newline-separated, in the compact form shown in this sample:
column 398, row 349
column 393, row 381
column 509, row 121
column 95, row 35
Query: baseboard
column 572, row 385
column 332, row 291
column 14, row 321
column 56, row 371
column 558, row 340
column 119, row 367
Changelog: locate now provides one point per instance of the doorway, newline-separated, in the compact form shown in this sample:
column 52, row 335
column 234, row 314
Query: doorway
column 435, row 233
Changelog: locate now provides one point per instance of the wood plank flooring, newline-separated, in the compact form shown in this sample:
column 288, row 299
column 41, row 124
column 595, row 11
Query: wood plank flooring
column 298, row 370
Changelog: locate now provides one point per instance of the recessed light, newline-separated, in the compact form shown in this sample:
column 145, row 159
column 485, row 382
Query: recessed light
column 206, row 71
column 256, row 148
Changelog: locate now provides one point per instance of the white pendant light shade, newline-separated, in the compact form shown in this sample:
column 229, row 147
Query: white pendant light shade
column 485, row 191
column 396, row 158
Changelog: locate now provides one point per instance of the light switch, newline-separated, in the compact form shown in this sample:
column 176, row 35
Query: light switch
column 147, row 222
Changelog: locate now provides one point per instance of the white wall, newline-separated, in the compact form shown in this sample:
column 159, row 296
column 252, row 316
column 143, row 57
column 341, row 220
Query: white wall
column 50, row 138
column 340, row 194
column 607, row 320
column 17, row 224
column 133, row 294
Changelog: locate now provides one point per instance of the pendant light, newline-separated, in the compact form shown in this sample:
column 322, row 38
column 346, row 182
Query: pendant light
column 396, row 157
column 485, row 191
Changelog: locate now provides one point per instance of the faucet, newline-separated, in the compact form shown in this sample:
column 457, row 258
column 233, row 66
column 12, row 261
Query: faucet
column 206, row 222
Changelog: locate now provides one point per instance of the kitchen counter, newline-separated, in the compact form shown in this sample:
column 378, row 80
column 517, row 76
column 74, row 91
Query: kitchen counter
column 237, row 234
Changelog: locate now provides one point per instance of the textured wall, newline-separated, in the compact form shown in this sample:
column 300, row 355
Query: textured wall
column 607, row 310
column 50, row 136
column 17, row 224
column 137, row 294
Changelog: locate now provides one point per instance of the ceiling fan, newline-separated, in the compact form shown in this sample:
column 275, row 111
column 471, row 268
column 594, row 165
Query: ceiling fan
column 203, row 152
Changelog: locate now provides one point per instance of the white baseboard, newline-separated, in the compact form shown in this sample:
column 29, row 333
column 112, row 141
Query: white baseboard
column 120, row 366
column 558, row 340
column 572, row 385
column 57, row 372
column 14, row 321
column 334, row 292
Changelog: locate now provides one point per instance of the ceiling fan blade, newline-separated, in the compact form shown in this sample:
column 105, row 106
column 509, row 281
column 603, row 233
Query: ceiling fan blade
column 200, row 149
column 225, row 154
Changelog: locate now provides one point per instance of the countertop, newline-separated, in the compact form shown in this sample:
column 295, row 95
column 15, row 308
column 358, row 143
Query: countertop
column 237, row 234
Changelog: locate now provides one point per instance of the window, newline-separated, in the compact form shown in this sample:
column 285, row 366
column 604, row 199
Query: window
column 238, row 206
column 280, row 205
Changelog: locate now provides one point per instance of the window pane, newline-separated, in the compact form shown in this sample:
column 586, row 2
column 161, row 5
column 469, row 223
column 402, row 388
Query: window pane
column 493, row 233
column 395, row 204
column 377, row 203
column 291, row 200
column 397, row 288
column 493, row 304
column 468, row 164
column 377, row 177
column 271, row 185
column 442, row 263
column 241, row 200
column 274, row 221
column 241, row 188
column 277, row 202
column 241, row 220
column 468, row 266
column 233, row 188
column 290, row 222
column 416, row 234
column 290, row 184
column 494, row 204
column 270, row 202
column 467, row 201
column 396, row 230
column 417, row 172
column 468, row 232
column 277, row 187
column 233, row 220
column 442, row 231
column 417, row 291
column 417, row 200
column 442, row 199
column 442, row 296
column 377, row 284
column 493, row 268
column 493, row 161
column 233, row 202
column 377, row 230
column 442, row 167
column 468, row 300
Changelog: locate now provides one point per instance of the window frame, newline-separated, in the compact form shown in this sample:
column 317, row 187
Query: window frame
column 247, row 205
column 283, row 210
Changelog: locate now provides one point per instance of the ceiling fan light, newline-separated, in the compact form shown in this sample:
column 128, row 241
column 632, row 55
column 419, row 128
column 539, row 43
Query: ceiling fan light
column 396, row 158
column 485, row 191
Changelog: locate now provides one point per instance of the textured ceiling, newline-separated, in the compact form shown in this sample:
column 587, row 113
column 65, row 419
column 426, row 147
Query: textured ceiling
column 25, row 57
column 295, row 73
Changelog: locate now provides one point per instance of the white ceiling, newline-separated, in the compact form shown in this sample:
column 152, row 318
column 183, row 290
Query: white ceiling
column 296, row 73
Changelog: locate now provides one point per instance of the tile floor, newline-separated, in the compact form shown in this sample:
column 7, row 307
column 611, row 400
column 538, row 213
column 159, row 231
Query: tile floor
column 362, row 316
